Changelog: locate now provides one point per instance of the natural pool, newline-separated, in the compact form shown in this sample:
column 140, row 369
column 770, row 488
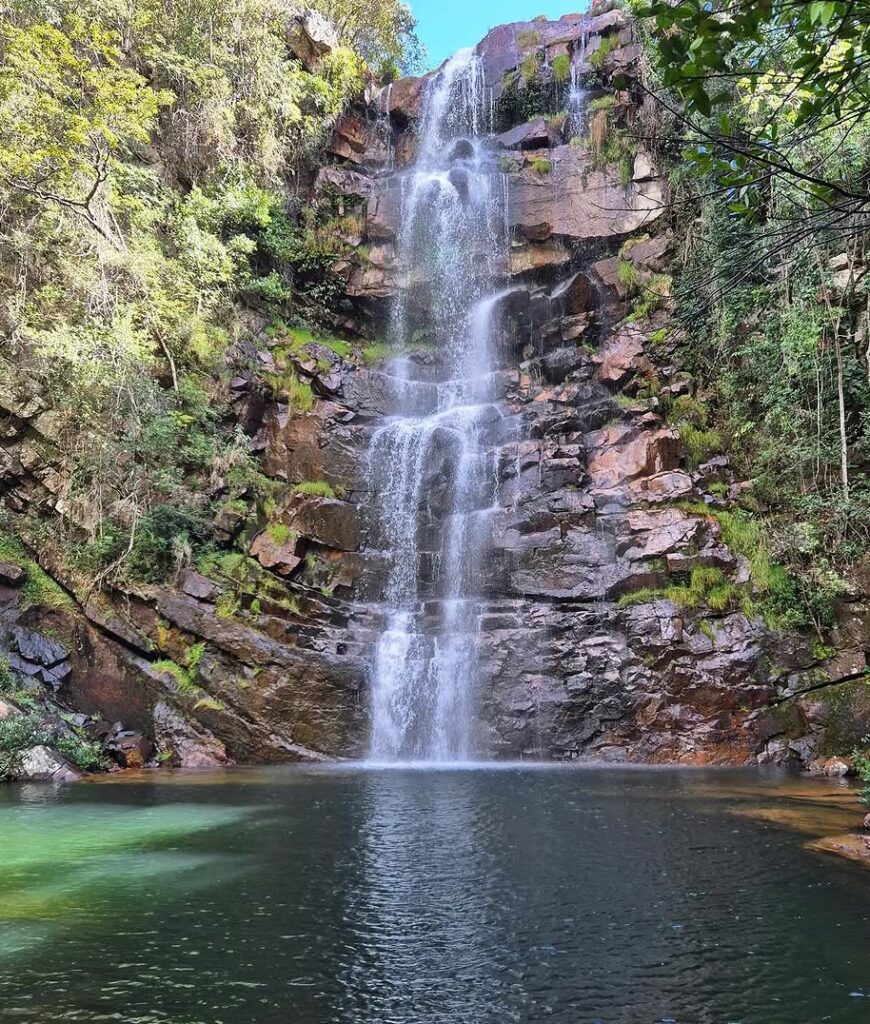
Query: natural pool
column 306, row 896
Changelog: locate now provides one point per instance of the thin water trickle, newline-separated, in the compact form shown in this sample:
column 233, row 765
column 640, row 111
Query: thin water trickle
column 577, row 100
column 434, row 477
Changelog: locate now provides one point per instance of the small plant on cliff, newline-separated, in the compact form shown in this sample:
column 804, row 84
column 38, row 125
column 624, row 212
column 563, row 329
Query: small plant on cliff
column 17, row 734
column 561, row 68
column 83, row 753
column 626, row 274
column 530, row 68
column 316, row 488
column 182, row 677
column 607, row 102
column 606, row 47
column 541, row 166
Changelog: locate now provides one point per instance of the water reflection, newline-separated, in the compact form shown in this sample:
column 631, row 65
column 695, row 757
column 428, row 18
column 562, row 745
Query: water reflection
column 424, row 920
column 340, row 896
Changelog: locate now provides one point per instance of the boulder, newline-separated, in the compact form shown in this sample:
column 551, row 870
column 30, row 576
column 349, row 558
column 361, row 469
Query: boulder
column 42, row 764
column 310, row 37
column 190, row 744
column 330, row 522
column 623, row 356
column 195, row 585
column 403, row 100
column 12, row 575
column 533, row 134
column 41, row 650
column 831, row 767
column 276, row 550
column 128, row 748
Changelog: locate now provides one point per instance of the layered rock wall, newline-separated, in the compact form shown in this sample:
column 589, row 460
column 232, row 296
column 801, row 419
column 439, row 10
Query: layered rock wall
column 589, row 647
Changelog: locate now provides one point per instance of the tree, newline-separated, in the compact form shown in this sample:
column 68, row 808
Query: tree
column 67, row 106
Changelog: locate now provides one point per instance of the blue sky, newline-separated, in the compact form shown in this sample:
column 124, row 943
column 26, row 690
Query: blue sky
column 447, row 25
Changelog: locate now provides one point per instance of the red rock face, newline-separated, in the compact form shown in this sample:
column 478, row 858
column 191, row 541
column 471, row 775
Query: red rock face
column 591, row 480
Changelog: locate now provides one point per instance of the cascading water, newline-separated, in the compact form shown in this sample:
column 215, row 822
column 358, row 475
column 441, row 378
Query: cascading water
column 433, row 465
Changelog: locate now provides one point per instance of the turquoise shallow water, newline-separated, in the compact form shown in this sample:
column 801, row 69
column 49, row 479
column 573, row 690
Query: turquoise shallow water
column 427, row 897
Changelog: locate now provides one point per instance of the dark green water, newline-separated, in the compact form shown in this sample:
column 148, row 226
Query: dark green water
column 425, row 897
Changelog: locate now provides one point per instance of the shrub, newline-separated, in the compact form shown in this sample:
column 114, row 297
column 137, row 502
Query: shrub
column 83, row 753
column 606, row 47
column 626, row 274
column 318, row 488
column 561, row 68
column 861, row 763
column 541, row 166
column 17, row 734
column 530, row 67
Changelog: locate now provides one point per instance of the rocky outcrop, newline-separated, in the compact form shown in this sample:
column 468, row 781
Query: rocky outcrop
column 263, row 652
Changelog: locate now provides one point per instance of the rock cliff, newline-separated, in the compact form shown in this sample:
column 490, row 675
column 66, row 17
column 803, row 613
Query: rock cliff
column 620, row 621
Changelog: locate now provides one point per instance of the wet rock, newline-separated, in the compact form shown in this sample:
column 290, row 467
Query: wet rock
column 579, row 202
column 623, row 356
column 832, row 767
column 42, row 764
column 532, row 135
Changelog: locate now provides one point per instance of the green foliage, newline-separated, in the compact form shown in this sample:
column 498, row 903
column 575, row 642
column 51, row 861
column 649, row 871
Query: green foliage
column 644, row 595
column 142, row 203
column 606, row 47
column 85, row 754
column 377, row 352
column 38, row 589
column 508, row 165
column 626, row 274
column 541, row 166
column 796, row 70
column 17, row 734
column 861, row 764
column 606, row 102
column 182, row 677
column 706, row 587
column 318, row 488
column 652, row 295
column 530, row 68
column 561, row 68
column 279, row 533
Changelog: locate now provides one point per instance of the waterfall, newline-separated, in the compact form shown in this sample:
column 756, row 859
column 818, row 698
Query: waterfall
column 577, row 100
column 432, row 465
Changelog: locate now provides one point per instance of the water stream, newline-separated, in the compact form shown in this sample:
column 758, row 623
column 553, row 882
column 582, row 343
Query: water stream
column 432, row 466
